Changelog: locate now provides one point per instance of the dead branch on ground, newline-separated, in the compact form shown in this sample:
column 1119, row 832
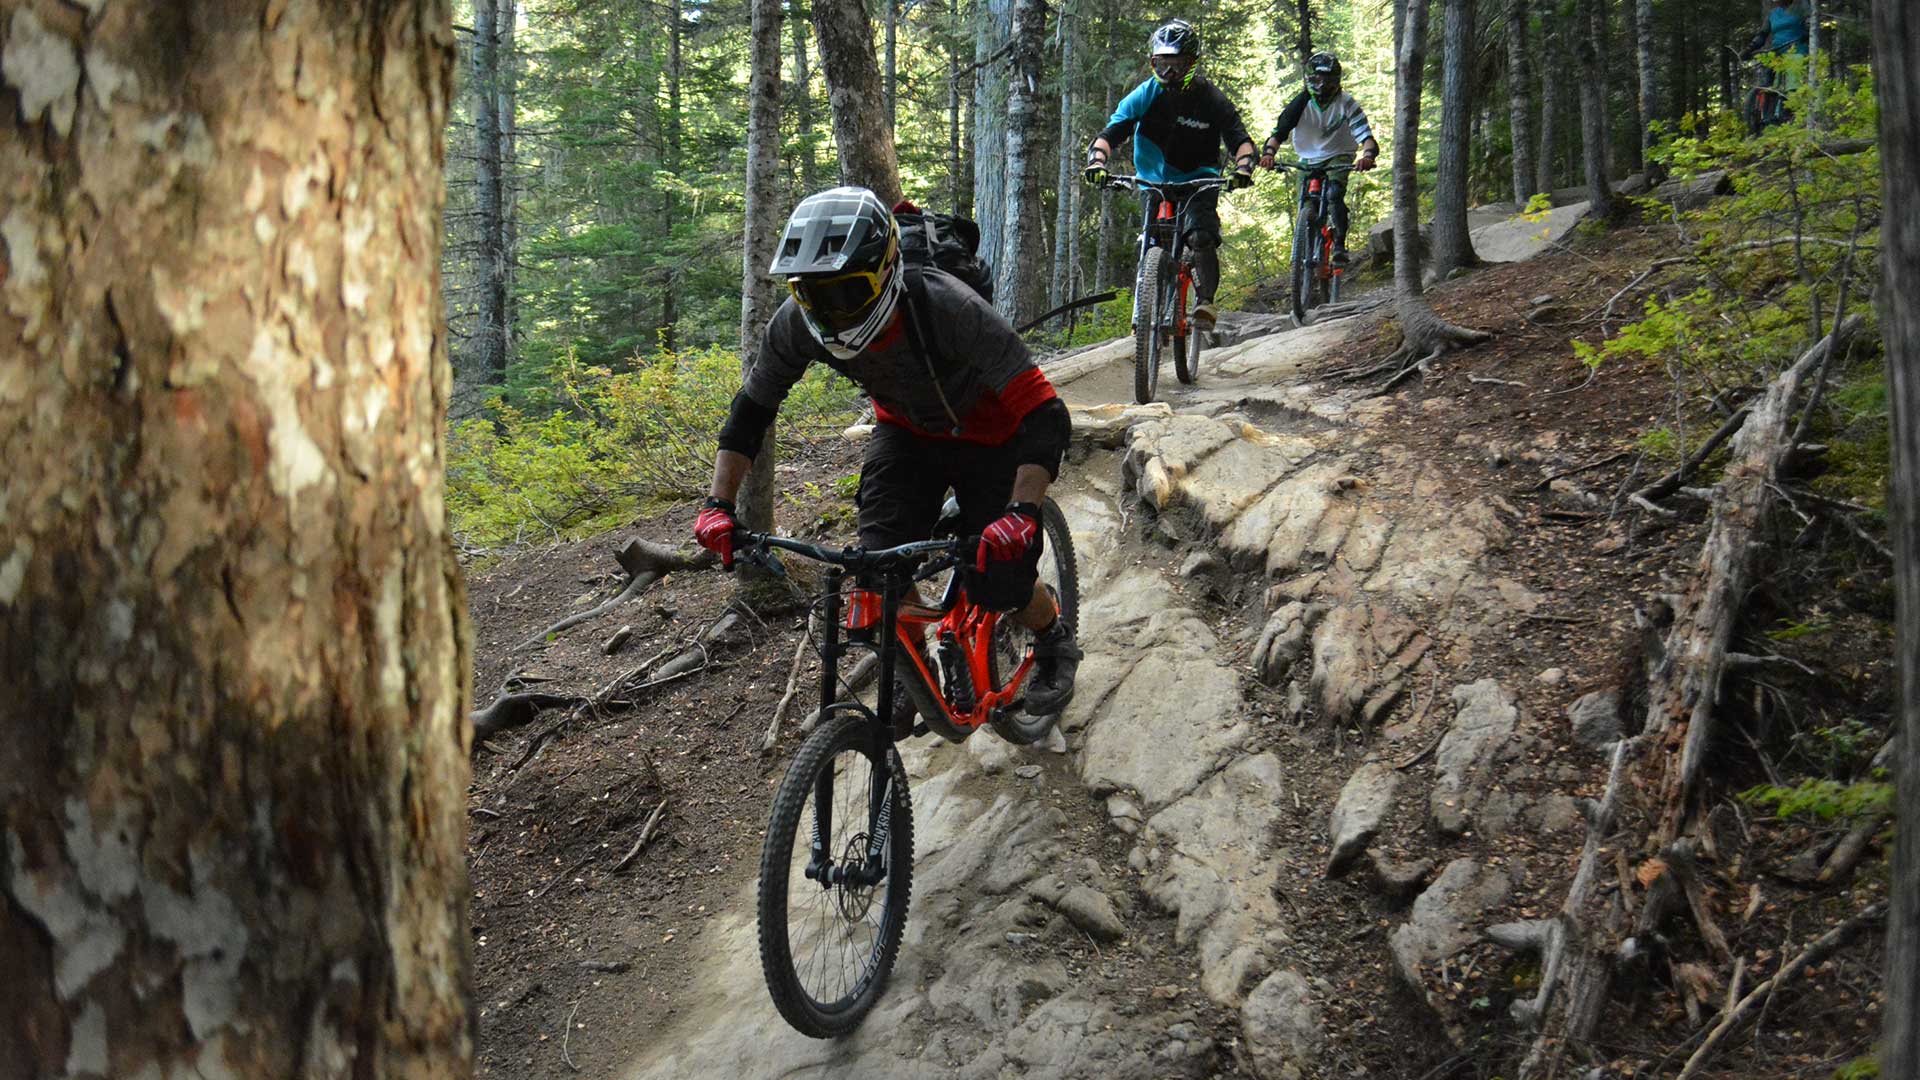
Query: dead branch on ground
column 1821, row 948
column 645, row 563
column 646, row 837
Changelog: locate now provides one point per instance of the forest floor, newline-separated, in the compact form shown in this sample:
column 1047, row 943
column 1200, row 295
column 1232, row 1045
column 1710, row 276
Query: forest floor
column 1239, row 957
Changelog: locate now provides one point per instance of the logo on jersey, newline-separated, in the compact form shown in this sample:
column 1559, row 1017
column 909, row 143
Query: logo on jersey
column 1188, row 121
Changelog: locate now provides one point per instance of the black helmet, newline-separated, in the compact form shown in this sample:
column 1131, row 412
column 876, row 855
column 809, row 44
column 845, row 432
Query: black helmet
column 1323, row 76
column 840, row 256
column 1174, row 51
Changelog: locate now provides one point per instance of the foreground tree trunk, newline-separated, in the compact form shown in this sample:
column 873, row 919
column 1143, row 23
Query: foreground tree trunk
column 960, row 180
column 1896, row 41
column 233, row 787
column 1452, row 247
column 860, row 127
column 1593, row 106
column 1424, row 333
column 761, row 233
column 509, row 99
column 1018, row 286
column 488, row 204
column 1520, row 99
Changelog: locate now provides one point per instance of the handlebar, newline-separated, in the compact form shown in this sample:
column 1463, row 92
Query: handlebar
column 755, row 547
column 1309, row 170
column 1187, row 187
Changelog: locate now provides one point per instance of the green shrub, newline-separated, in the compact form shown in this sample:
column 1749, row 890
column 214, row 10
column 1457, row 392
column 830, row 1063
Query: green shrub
column 1823, row 799
column 610, row 443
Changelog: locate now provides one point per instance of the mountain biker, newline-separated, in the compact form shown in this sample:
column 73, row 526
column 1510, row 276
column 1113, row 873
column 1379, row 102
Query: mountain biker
column 974, row 414
column 1785, row 32
column 1178, row 120
column 1329, row 128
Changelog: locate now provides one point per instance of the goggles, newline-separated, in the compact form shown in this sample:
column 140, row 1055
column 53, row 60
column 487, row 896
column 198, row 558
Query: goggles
column 1173, row 67
column 842, row 300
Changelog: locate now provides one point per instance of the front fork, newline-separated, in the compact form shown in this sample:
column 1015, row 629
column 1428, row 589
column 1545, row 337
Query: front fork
column 820, row 863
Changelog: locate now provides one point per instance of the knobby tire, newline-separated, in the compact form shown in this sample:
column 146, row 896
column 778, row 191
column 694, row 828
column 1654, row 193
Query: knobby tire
column 1146, row 333
column 778, row 878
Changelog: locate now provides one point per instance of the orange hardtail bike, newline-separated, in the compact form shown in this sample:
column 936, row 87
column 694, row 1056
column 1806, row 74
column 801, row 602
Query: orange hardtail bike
column 1163, row 283
column 833, row 897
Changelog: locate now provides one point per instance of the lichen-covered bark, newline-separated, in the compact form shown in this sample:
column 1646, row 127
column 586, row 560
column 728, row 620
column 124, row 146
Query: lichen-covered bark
column 1018, row 290
column 233, row 779
column 860, row 127
column 761, row 233
column 993, row 25
column 1591, row 17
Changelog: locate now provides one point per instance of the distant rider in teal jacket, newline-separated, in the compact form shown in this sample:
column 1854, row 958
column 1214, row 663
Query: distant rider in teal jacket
column 1177, row 121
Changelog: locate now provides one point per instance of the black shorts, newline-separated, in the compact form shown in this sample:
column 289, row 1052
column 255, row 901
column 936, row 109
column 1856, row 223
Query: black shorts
column 904, row 482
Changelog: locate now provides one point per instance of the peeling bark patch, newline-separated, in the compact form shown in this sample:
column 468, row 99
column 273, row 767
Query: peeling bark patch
column 26, row 287
column 43, row 66
column 104, row 860
column 14, row 570
column 87, row 1043
column 211, row 940
column 85, row 940
column 297, row 463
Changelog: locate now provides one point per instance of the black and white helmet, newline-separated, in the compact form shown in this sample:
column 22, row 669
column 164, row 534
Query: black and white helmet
column 840, row 258
column 1323, row 76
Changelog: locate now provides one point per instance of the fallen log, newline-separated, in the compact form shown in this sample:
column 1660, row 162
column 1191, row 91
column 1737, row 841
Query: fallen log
column 1685, row 688
column 1685, row 667
column 645, row 563
column 515, row 710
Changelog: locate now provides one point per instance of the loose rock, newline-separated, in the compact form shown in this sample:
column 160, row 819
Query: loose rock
column 1281, row 1027
column 1595, row 718
column 1444, row 918
column 1484, row 720
column 1363, row 805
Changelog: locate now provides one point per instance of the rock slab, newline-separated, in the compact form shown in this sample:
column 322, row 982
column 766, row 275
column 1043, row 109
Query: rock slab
column 1483, row 721
column 1357, row 816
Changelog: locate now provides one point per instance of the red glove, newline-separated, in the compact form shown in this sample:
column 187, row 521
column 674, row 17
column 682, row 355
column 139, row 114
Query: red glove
column 713, row 529
column 1009, row 536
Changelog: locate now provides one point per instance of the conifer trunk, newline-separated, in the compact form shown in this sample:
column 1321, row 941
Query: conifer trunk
column 860, row 127
column 233, row 783
column 803, row 102
column 1452, row 247
column 509, row 107
column 955, row 163
column 1896, row 41
column 759, row 294
column 1019, row 284
column 1520, row 99
column 488, row 205
column 1649, row 76
column 1552, row 77
column 1593, row 107
column 893, row 68
column 1066, row 193
column 993, row 26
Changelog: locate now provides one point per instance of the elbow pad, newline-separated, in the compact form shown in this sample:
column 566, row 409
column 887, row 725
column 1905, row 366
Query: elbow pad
column 1043, row 436
column 746, row 426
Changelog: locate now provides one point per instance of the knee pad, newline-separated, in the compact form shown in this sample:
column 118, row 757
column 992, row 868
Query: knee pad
column 1202, row 239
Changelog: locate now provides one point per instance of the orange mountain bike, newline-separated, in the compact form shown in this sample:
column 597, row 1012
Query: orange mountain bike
column 1316, row 278
column 1163, row 283
column 833, row 897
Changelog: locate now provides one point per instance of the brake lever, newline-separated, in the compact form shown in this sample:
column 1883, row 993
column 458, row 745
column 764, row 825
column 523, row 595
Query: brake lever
column 763, row 557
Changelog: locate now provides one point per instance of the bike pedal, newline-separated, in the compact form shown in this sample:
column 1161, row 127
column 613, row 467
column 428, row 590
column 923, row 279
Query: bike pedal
column 919, row 729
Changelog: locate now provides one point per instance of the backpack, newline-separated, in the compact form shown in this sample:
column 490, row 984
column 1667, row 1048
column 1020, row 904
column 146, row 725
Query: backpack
column 947, row 241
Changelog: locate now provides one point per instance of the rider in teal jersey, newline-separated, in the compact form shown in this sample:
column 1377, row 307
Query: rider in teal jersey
column 1178, row 120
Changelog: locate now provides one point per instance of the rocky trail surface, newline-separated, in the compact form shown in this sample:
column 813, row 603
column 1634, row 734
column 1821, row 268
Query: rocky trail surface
column 1320, row 744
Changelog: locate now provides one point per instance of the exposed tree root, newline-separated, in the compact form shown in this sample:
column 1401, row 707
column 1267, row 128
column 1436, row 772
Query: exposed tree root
column 645, row 563
column 515, row 710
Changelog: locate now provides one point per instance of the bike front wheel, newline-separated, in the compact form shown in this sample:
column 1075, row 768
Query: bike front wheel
column 1153, row 296
column 829, row 927
column 1302, row 284
column 1060, row 572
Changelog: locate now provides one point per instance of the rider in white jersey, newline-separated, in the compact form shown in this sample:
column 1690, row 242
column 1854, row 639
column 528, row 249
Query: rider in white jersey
column 1328, row 127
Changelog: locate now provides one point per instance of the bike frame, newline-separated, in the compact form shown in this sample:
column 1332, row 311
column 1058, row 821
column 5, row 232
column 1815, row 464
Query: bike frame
column 900, row 625
column 1160, row 227
column 1319, row 223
